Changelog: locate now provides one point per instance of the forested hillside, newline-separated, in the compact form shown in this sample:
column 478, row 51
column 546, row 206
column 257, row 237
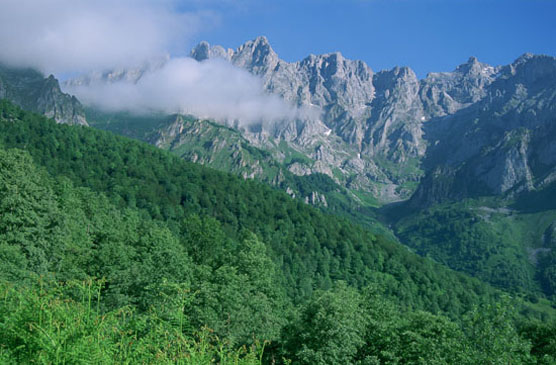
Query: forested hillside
column 489, row 239
column 114, row 251
column 223, row 148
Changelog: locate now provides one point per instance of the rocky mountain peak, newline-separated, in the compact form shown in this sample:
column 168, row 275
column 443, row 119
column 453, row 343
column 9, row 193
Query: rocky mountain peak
column 472, row 60
column 204, row 51
column 445, row 93
column 256, row 56
column 261, row 41
column 474, row 68
column 524, row 58
column 531, row 69
column 395, row 82
column 397, row 74
column 201, row 51
column 31, row 90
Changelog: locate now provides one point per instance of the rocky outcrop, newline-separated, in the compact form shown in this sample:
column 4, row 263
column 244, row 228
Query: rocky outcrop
column 394, row 128
column 445, row 93
column 30, row 90
column 358, row 120
column 505, row 142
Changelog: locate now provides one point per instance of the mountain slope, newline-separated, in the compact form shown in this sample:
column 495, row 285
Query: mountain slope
column 170, row 271
column 310, row 248
column 479, row 132
column 503, row 144
column 30, row 90
column 225, row 149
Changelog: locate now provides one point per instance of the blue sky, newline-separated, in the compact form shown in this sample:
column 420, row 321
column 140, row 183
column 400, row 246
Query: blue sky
column 427, row 35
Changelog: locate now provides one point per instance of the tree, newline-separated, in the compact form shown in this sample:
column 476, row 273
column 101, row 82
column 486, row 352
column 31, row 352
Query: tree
column 329, row 330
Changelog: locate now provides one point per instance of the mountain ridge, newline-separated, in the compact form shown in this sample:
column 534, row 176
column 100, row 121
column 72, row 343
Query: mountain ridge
column 374, row 132
column 378, row 116
column 31, row 90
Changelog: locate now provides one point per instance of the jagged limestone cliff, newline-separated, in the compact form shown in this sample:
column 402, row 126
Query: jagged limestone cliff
column 32, row 91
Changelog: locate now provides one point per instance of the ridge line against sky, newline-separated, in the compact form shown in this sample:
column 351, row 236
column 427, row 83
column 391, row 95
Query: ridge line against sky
column 426, row 35
column 69, row 37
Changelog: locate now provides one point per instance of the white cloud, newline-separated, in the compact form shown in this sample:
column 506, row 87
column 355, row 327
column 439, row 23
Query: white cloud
column 80, row 36
column 209, row 89
column 59, row 36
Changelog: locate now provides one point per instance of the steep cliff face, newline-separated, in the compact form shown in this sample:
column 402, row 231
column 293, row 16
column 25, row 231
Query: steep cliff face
column 445, row 93
column 505, row 142
column 395, row 126
column 363, row 115
column 30, row 90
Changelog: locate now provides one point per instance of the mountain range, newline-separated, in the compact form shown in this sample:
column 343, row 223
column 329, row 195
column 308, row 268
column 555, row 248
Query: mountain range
column 383, row 130
column 380, row 133
column 478, row 141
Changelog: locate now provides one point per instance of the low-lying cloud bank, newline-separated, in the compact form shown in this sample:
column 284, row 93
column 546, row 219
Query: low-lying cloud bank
column 209, row 89
column 81, row 36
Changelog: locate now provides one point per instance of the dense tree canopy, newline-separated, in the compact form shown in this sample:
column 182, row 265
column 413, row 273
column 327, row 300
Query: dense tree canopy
column 195, row 266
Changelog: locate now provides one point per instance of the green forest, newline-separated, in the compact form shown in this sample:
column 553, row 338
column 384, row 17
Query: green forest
column 478, row 237
column 113, row 251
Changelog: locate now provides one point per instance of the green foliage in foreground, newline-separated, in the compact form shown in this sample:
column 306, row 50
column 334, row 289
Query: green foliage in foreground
column 208, row 278
column 343, row 326
column 51, row 324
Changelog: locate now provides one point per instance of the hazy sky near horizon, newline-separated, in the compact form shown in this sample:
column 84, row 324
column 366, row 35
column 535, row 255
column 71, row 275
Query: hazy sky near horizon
column 426, row 35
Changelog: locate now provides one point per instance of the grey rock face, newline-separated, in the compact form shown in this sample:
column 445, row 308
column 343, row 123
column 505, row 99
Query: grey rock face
column 395, row 125
column 204, row 51
column 61, row 107
column 30, row 90
column 445, row 93
column 377, row 128
column 505, row 142
column 507, row 166
column 353, row 127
